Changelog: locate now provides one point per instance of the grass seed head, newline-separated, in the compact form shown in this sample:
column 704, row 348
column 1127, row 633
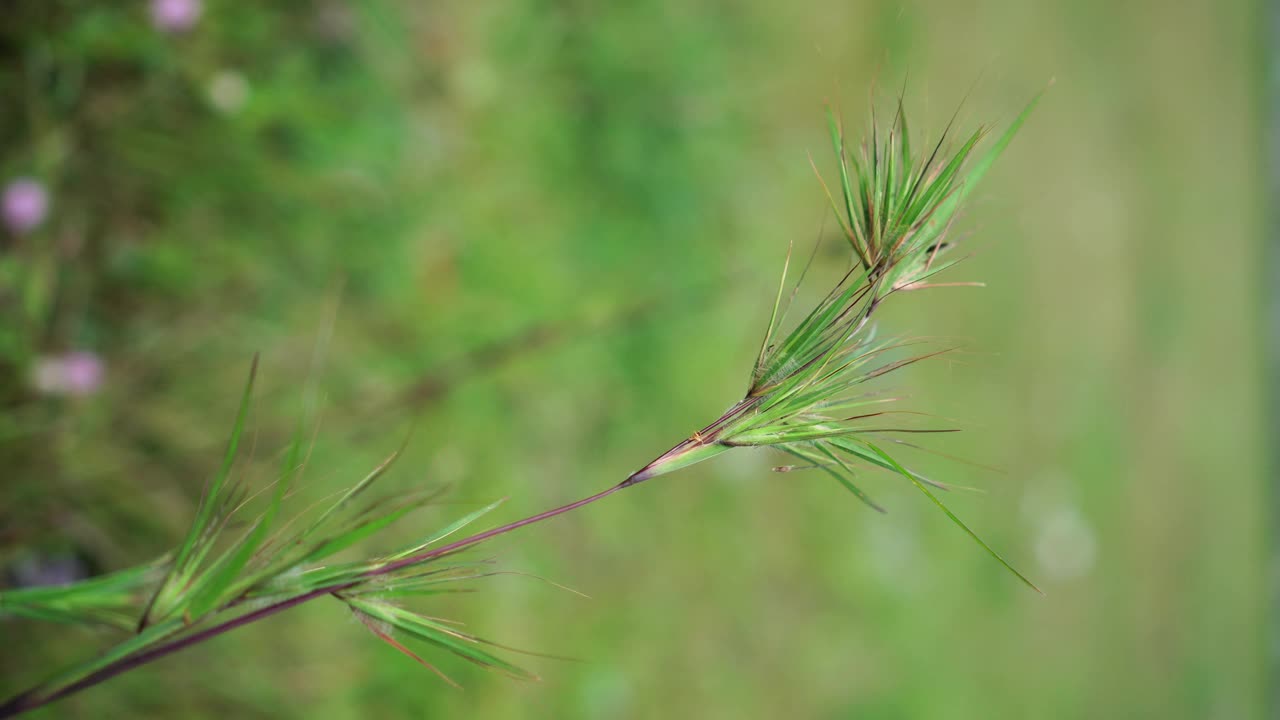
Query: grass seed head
column 807, row 393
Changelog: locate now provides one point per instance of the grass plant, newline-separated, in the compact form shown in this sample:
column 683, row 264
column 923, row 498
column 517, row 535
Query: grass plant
column 811, row 393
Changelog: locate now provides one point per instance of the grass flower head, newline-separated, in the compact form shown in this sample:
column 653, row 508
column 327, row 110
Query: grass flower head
column 808, row 393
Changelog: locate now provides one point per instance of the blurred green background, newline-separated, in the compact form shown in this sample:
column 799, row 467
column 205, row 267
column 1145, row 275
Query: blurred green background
column 552, row 231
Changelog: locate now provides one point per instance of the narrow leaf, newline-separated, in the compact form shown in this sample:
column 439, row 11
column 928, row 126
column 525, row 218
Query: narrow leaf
column 929, row 494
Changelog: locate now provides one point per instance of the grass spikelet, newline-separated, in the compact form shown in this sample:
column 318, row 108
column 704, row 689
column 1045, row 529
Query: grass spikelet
column 807, row 391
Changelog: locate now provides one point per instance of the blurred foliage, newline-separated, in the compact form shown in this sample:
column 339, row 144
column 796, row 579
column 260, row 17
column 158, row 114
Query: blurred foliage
column 470, row 182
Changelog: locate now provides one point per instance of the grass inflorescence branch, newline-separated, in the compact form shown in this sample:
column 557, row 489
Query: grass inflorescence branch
column 810, row 394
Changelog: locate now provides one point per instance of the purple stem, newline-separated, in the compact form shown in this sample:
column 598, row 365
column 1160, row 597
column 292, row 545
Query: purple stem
column 33, row 698
column 481, row 537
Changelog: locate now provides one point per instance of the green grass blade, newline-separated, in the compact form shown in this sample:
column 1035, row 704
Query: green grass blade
column 928, row 493
column 439, row 635
column 980, row 166
column 773, row 319
column 815, row 458
column 204, row 529
column 983, row 163
column 846, row 187
column 448, row 530
column 209, row 501
column 905, row 147
column 351, row 493
column 222, row 582
column 116, row 599
column 368, row 527
column 373, row 626
column 214, row 585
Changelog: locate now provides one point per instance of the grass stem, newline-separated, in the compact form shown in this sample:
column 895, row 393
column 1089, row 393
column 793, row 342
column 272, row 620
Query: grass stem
column 38, row 696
